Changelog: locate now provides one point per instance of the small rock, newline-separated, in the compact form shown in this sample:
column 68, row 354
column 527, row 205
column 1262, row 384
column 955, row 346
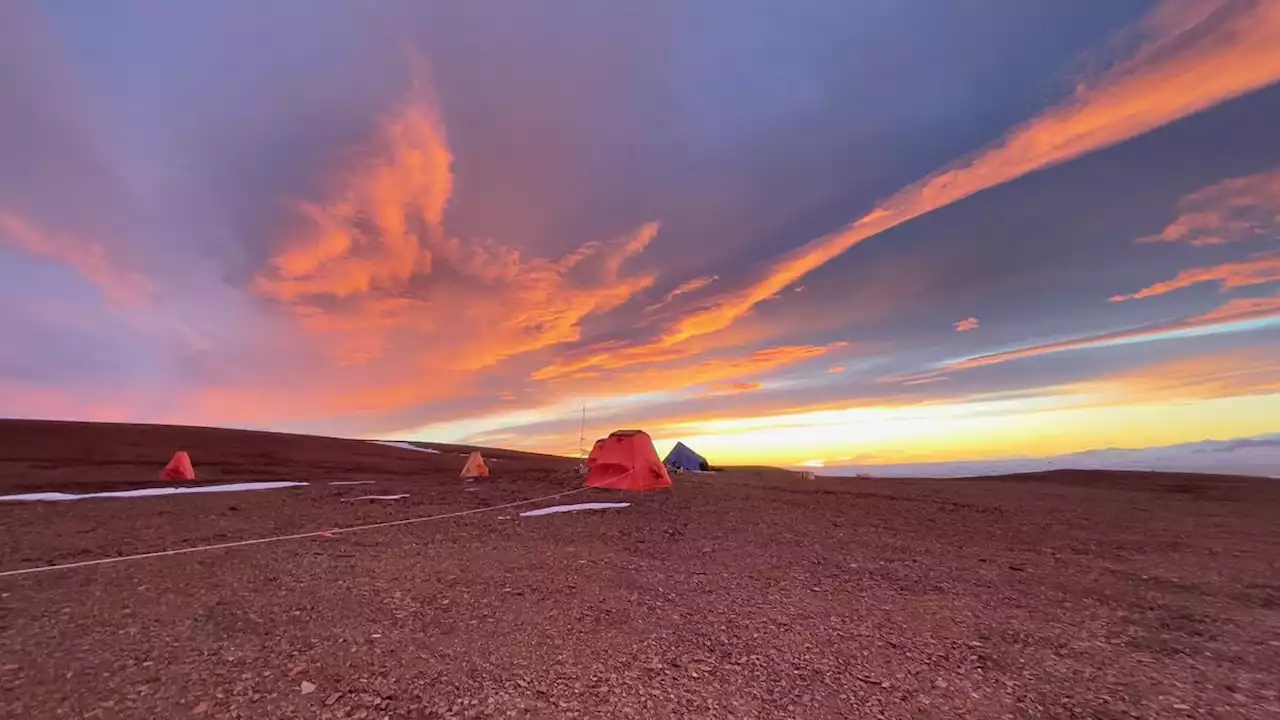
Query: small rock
column 1180, row 706
column 200, row 709
column 307, row 687
column 332, row 698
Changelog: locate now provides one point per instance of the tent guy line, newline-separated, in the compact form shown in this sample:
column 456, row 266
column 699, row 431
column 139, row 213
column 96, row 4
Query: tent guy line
column 296, row 536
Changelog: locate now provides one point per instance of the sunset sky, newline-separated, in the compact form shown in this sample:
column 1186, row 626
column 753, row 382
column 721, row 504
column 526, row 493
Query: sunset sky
column 815, row 232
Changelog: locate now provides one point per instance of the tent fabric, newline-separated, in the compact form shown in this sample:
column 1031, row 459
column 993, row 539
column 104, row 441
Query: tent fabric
column 475, row 467
column 179, row 468
column 682, row 457
column 626, row 460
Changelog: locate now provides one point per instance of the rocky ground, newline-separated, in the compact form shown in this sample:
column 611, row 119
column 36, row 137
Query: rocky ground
column 743, row 594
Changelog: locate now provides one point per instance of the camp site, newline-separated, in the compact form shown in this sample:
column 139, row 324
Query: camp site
column 399, row 580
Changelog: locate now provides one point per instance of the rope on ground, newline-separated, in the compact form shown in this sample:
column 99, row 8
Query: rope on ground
column 277, row 538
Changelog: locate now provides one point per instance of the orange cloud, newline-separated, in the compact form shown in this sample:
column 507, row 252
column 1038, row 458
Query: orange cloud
column 1230, row 211
column 400, row 312
column 967, row 324
column 1194, row 55
column 836, row 370
column 89, row 259
column 1259, row 269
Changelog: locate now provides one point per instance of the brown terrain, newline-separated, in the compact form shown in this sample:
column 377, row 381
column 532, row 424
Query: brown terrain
column 743, row 594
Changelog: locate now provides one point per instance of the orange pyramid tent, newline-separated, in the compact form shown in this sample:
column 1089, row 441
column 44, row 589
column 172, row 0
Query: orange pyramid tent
column 179, row 468
column 626, row 460
column 475, row 467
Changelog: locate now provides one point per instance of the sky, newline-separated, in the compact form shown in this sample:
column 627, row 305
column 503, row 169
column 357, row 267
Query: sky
column 816, row 233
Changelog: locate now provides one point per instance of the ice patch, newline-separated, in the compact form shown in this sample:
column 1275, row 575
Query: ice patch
column 405, row 446
column 149, row 492
column 573, row 508
column 379, row 497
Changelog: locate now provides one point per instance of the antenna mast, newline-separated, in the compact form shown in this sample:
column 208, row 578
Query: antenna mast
column 582, row 436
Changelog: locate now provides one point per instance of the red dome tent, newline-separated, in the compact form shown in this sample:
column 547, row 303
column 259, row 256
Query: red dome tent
column 626, row 460
column 179, row 468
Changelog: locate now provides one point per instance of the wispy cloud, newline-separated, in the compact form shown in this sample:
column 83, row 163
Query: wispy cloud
column 683, row 288
column 87, row 258
column 1258, row 269
column 1234, row 315
column 1231, row 211
column 967, row 324
column 1252, row 371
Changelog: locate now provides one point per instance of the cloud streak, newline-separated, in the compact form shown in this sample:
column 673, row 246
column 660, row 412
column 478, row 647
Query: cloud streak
column 1258, row 269
column 966, row 325
column 1236, row 314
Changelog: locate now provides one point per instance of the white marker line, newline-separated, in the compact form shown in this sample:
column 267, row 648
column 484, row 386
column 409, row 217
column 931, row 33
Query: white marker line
column 298, row 536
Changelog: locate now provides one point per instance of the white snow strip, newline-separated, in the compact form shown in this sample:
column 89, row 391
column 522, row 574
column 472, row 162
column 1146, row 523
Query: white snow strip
column 380, row 497
column 353, row 482
column 405, row 445
column 573, row 508
column 149, row 492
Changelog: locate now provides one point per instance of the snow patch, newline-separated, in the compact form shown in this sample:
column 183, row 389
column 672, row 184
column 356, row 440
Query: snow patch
column 573, row 508
column 149, row 492
column 405, row 446
column 379, row 497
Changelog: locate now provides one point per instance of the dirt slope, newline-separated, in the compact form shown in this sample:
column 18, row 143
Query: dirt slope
column 742, row 595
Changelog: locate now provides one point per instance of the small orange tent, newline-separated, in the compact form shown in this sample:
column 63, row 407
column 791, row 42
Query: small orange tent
column 179, row 468
column 475, row 467
column 626, row 460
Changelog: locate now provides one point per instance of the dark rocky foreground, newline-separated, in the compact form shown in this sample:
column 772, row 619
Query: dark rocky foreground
column 744, row 594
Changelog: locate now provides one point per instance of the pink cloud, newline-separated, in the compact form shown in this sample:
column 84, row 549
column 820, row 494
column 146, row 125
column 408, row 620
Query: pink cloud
column 88, row 259
column 967, row 324
column 1230, row 211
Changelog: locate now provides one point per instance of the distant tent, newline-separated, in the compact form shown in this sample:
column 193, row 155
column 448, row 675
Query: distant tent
column 626, row 460
column 475, row 467
column 179, row 468
column 682, row 457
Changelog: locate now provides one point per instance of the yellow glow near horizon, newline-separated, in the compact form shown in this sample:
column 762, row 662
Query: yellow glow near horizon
column 982, row 431
column 986, row 429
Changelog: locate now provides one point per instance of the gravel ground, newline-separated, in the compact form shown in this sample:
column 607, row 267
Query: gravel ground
column 743, row 594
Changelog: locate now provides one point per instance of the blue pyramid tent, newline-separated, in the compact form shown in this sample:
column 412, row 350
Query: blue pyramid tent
column 682, row 457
